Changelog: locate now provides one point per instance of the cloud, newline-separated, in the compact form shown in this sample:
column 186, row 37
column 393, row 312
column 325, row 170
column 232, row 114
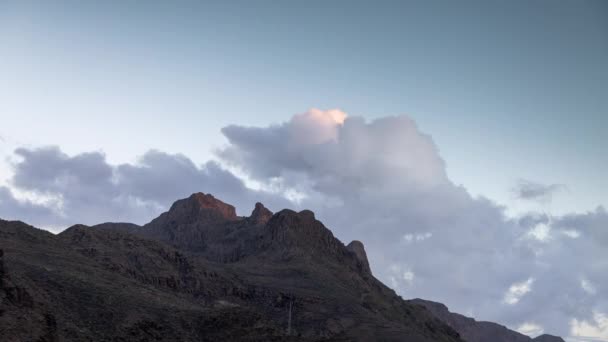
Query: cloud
column 588, row 287
column 409, row 238
column 533, row 191
column 85, row 188
column 12, row 208
column 530, row 329
column 350, row 154
column 517, row 291
column 594, row 329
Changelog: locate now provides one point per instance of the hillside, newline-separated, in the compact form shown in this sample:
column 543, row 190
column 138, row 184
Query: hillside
column 199, row 272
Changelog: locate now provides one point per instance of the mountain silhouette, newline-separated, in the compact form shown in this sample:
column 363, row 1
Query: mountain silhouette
column 199, row 272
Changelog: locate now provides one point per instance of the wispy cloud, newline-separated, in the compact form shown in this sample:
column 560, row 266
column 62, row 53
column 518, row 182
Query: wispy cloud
column 534, row 191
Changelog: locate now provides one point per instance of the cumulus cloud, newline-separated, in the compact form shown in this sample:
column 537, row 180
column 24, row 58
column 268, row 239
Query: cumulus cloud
column 352, row 155
column 534, row 191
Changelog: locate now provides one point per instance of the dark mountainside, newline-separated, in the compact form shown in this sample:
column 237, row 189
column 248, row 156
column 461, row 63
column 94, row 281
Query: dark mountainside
column 473, row 331
column 201, row 273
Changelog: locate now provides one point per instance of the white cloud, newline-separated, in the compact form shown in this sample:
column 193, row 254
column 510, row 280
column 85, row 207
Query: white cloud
column 588, row 287
column 540, row 232
column 316, row 126
column 517, row 290
column 417, row 237
column 530, row 329
column 594, row 329
column 408, row 276
column 573, row 234
column 401, row 275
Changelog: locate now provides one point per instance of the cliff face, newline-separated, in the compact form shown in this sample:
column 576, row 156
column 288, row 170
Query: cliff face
column 359, row 250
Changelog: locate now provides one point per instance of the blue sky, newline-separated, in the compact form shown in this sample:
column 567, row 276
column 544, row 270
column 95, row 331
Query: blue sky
column 513, row 94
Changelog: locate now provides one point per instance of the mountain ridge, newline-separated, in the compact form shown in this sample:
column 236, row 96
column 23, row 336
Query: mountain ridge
column 479, row 331
column 202, row 273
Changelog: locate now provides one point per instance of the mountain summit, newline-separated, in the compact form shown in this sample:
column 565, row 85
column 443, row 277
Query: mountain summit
column 200, row 206
column 260, row 215
column 200, row 272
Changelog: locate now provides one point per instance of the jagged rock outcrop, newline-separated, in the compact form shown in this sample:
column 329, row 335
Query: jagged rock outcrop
column 359, row 250
column 290, row 230
column 200, row 206
column 260, row 214
column 196, row 224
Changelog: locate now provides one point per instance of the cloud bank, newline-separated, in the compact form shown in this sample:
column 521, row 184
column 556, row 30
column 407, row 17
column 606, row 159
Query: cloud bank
column 382, row 182
column 85, row 188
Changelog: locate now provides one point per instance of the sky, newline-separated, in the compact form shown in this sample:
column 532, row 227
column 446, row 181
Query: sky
column 472, row 129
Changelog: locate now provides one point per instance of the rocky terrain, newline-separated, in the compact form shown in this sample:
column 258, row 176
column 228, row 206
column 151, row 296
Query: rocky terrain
column 199, row 272
column 473, row 331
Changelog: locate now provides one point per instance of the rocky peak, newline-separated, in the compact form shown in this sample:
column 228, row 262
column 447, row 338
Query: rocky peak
column 359, row 250
column 307, row 215
column 299, row 229
column 200, row 205
column 260, row 214
column 77, row 232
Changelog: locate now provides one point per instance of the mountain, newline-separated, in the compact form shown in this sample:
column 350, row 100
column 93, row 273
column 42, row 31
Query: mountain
column 199, row 272
column 473, row 331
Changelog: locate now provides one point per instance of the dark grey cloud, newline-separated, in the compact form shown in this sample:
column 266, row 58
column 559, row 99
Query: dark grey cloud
column 534, row 191
column 85, row 188
column 163, row 178
column 383, row 182
column 13, row 209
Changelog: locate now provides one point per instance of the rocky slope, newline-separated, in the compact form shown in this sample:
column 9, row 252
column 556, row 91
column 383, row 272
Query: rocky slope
column 199, row 272
column 474, row 331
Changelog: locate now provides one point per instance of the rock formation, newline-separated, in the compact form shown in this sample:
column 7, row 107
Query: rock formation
column 357, row 248
column 260, row 215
